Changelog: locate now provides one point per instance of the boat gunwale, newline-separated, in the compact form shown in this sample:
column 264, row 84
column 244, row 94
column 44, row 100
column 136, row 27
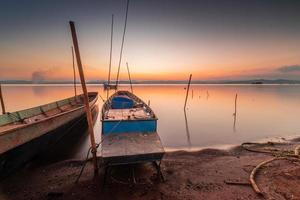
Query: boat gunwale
column 130, row 120
column 92, row 102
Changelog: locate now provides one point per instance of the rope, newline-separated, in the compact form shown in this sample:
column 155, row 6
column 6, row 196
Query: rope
column 91, row 150
column 278, row 155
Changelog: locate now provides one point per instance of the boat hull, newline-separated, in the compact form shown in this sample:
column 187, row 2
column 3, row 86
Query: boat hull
column 28, row 142
column 130, row 126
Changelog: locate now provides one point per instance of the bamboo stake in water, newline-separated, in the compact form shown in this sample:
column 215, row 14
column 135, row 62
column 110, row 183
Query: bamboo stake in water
column 234, row 114
column 86, row 98
column 129, row 77
column 187, row 91
column 2, row 101
column 74, row 73
column 235, row 101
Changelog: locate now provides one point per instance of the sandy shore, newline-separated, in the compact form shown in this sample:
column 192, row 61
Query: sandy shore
column 203, row 174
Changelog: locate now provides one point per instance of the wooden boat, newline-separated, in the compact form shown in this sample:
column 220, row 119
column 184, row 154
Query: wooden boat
column 129, row 131
column 23, row 134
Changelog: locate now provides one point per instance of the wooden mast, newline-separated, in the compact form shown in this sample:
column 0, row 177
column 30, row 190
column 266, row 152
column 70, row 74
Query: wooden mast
column 74, row 73
column 187, row 91
column 2, row 101
column 85, row 95
column 129, row 77
column 121, row 52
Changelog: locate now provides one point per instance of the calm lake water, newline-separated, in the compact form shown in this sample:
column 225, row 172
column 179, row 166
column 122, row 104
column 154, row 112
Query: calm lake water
column 264, row 112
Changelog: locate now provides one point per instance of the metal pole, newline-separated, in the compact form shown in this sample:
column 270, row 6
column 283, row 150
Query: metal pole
column 129, row 77
column 74, row 73
column 111, row 43
column 2, row 100
column 121, row 52
column 187, row 91
column 86, row 99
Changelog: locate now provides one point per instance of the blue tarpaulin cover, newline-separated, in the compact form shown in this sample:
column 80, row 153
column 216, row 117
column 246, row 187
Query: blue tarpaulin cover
column 121, row 102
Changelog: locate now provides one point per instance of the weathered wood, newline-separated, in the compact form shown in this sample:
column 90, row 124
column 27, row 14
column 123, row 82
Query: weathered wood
column 2, row 100
column 74, row 72
column 86, row 101
column 14, row 131
column 234, row 114
column 235, row 102
column 131, row 148
column 187, row 91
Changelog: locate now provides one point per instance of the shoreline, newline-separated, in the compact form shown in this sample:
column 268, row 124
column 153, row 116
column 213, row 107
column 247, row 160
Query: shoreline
column 188, row 175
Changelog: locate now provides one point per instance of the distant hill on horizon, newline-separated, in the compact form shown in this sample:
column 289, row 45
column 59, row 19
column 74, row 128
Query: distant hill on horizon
column 251, row 81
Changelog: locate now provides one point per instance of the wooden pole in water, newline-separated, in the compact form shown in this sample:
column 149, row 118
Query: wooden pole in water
column 235, row 101
column 234, row 114
column 129, row 77
column 74, row 73
column 2, row 101
column 86, row 98
column 187, row 91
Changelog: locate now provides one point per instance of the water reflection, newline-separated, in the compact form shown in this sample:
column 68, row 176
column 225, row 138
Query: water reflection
column 39, row 90
column 187, row 130
column 263, row 111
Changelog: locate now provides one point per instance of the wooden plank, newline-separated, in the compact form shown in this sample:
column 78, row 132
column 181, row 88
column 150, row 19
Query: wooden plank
column 131, row 148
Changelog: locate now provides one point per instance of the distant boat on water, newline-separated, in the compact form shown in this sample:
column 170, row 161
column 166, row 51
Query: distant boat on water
column 108, row 86
column 24, row 134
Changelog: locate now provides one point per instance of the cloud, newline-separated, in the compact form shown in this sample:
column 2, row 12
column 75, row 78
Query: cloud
column 289, row 68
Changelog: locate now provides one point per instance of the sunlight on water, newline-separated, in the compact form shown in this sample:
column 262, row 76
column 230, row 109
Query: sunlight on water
column 263, row 111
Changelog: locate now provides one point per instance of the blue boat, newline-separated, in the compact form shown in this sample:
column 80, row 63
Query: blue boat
column 129, row 132
column 124, row 112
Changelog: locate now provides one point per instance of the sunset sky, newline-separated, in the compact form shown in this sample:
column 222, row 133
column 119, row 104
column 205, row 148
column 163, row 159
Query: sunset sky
column 165, row 39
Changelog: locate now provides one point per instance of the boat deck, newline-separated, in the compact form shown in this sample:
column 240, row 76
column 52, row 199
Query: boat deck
column 127, row 114
column 39, row 117
column 129, row 148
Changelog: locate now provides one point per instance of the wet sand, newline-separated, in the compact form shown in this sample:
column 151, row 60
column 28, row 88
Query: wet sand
column 203, row 174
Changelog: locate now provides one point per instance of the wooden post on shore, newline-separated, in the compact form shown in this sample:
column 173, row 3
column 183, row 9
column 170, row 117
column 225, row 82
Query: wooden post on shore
column 2, row 101
column 74, row 73
column 187, row 91
column 86, row 98
column 129, row 77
